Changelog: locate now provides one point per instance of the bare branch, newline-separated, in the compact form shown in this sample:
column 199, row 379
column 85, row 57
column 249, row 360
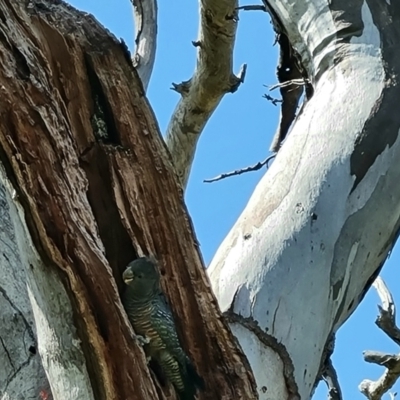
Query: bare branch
column 145, row 16
column 257, row 7
column 272, row 99
column 331, row 379
column 386, row 319
column 380, row 358
column 295, row 82
column 254, row 167
column 374, row 390
column 327, row 371
column 212, row 79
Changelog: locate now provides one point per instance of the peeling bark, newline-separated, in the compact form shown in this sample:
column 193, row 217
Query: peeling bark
column 90, row 186
column 57, row 341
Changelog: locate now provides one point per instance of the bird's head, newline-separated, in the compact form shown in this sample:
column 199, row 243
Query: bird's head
column 142, row 276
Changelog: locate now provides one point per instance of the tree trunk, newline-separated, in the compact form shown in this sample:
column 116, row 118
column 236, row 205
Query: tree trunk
column 322, row 221
column 86, row 186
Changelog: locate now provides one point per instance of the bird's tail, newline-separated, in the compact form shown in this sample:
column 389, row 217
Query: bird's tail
column 192, row 382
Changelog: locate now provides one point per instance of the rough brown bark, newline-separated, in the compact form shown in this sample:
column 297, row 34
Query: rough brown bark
column 82, row 149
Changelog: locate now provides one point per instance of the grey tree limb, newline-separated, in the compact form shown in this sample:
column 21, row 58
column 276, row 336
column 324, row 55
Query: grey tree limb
column 212, row 79
column 297, row 262
column 35, row 294
column 145, row 17
column 386, row 319
column 331, row 379
column 327, row 371
column 21, row 372
column 374, row 390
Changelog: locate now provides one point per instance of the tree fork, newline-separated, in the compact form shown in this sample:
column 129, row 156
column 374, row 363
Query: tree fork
column 95, row 187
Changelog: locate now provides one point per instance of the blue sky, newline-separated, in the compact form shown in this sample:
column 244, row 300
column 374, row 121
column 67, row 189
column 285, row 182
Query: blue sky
column 239, row 135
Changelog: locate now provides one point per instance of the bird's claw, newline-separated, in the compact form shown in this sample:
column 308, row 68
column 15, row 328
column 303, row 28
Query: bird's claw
column 142, row 340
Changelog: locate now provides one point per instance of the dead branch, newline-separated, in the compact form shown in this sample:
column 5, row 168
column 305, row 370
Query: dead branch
column 256, row 7
column 145, row 16
column 331, row 380
column 386, row 319
column 294, row 82
column 254, row 167
column 212, row 79
column 374, row 390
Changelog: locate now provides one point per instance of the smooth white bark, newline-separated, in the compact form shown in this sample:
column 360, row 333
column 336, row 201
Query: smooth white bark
column 298, row 259
column 145, row 15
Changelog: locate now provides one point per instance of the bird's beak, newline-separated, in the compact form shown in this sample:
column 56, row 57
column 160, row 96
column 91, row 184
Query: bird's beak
column 128, row 277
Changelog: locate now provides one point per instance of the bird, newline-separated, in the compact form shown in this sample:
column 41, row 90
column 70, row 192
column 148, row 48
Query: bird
column 151, row 318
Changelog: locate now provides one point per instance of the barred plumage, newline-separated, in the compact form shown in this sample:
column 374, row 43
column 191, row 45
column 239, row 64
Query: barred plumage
column 151, row 318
